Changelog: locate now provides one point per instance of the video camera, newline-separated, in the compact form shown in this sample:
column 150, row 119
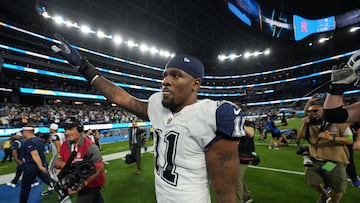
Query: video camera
column 315, row 120
column 72, row 175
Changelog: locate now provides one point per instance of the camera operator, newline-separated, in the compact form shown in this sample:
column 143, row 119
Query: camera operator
column 90, row 187
column 328, row 152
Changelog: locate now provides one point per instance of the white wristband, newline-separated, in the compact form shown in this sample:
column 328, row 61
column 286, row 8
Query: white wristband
column 94, row 78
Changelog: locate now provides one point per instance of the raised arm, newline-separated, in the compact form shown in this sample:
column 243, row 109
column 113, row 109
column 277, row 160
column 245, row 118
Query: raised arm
column 223, row 167
column 112, row 92
column 120, row 97
column 308, row 103
column 341, row 77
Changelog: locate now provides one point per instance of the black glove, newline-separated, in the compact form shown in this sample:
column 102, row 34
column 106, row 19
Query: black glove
column 341, row 77
column 75, row 59
column 67, row 52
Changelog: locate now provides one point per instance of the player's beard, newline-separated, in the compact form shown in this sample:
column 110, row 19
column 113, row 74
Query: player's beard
column 170, row 105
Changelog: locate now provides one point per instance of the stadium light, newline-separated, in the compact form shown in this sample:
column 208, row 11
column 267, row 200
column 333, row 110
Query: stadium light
column 233, row 56
column 85, row 29
column 131, row 44
column 144, row 47
column 221, row 57
column 69, row 23
column 46, row 15
column 58, row 20
column 257, row 53
column 247, row 54
column 117, row 40
column 324, row 39
column 354, row 29
column 100, row 34
column 153, row 50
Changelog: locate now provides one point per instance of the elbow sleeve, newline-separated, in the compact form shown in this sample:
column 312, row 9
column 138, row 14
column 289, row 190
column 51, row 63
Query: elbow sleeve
column 335, row 115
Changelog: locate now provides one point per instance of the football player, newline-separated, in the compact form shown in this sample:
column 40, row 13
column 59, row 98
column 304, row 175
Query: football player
column 195, row 140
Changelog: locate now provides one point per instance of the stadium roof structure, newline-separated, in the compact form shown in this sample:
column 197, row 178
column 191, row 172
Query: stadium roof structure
column 204, row 28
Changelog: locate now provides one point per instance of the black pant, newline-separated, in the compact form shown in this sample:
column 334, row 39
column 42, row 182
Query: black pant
column 350, row 168
column 136, row 152
column 30, row 172
column 19, row 171
column 90, row 195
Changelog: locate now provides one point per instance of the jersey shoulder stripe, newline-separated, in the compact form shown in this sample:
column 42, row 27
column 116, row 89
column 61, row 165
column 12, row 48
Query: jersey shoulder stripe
column 229, row 121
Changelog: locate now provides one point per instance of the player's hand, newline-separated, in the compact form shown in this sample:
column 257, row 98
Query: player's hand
column 343, row 75
column 43, row 169
column 66, row 51
column 75, row 59
column 354, row 62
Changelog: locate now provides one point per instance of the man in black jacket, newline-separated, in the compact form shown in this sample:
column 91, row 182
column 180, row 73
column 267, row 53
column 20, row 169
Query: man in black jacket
column 135, row 142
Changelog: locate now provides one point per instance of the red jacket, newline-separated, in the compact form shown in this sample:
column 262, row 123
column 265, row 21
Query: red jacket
column 81, row 152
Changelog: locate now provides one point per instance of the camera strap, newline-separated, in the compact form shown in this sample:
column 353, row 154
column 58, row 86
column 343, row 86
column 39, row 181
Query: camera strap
column 325, row 126
column 307, row 133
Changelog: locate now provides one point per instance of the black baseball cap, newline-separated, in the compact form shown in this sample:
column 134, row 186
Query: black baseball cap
column 71, row 122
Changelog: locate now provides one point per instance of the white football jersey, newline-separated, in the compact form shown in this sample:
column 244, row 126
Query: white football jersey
column 56, row 137
column 180, row 142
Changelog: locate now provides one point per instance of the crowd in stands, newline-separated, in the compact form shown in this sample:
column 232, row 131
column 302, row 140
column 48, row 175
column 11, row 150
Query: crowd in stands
column 15, row 115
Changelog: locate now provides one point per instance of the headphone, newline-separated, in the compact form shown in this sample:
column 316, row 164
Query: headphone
column 80, row 128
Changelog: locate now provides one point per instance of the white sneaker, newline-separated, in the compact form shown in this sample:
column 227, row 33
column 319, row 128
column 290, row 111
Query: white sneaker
column 65, row 199
column 10, row 184
column 34, row 184
column 47, row 192
column 270, row 147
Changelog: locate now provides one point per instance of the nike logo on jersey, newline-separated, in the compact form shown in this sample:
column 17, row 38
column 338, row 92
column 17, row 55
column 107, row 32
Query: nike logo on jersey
column 237, row 111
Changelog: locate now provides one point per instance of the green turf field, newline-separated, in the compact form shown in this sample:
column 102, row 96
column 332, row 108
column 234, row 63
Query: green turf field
column 277, row 179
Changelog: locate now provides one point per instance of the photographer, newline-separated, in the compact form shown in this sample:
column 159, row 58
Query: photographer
column 89, row 188
column 328, row 152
